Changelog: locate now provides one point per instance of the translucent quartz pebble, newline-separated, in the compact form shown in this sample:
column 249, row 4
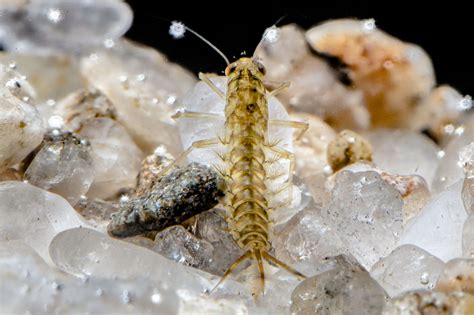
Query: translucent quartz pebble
column 116, row 158
column 143, row 85
column 63, row 166
column 34, row 215
column 347, row 148
column 30, row 286
column 212, row 227
column 178, row 244
column 87, row 253
column 431, row 303
column 442, row 107
column 16, row 83
column 53, row 77
column 278, row 287
column 407, row 268
column 306, row 239
column 82, row 105
column 315, row 87
column 451, row 166
column 414, row 191
column 393, row 76
column 54, row 25
column 21, row 129
column 311, row 149
column 438, row 227
column 96, row 212
column 458, row 275
column 468, row 237
column 342, row 290
column 403, row 152
column 366, row 212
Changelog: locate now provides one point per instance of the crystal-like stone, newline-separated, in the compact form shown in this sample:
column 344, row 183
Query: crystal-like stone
column 366, row 212
column 393, row 76
column 212, row 227
column 306, row 239
column 59, row 74
column 407, row 268
column 21, row 128
column 63, row 166
column 54, row 25
column 178, row 244
column 143, row 106
column 116, row 158
column 450, row 170
column 343, row 290
column 404, row 153
column 34, row 215
column 438, row 227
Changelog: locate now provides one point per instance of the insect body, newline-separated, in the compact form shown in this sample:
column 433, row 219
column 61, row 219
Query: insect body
column 248, row 158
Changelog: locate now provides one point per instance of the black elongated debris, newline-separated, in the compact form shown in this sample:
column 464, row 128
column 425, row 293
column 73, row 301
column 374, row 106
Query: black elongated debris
column 176, row 197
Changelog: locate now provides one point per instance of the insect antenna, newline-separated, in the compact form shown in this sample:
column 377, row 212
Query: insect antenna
column 177, row 30
column 271, row 34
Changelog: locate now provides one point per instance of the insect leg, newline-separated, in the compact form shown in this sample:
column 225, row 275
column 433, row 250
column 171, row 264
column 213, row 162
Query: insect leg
column 191, row 114
column 200, row 144
column 232, row 267
column 281, row 264
column 206, row 80
column 279, row 89
column 301, row 126
column 285, row 154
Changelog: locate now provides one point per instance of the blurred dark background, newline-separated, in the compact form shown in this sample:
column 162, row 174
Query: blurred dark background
column 444, row 30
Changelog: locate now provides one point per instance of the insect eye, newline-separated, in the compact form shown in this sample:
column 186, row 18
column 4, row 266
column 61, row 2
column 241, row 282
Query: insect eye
column 230, row 68
column 261, row 68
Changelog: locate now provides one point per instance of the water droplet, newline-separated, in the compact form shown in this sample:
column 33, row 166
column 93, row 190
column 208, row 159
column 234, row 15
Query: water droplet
column 177, row 29
column 26, row 99
column 141, row 77
column 425, row 278
column 156, row 298
column 440, row 154
column 55, row 15
column 171, row 99
column 12, row 66
column 327, row 170
column 124, row 199
column 465, row 103
column 123, row 78
column 126, row 297
column 271, row 34
column 109, row 43
column 51, row 102
column 13, row 84
column 55, row 122
column 368, row 25
column 160, row 151
column 99, row 292
column 459, row 131
column 448, row 129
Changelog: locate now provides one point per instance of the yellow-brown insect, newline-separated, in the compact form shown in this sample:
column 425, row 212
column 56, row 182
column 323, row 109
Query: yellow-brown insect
column 247, row 159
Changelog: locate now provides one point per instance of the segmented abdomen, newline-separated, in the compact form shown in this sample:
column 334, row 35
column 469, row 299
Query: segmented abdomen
column 247, row 190
column 246, row 197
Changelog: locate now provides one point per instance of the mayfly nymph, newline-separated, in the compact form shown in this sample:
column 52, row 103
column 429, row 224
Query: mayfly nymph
column 248, row 158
